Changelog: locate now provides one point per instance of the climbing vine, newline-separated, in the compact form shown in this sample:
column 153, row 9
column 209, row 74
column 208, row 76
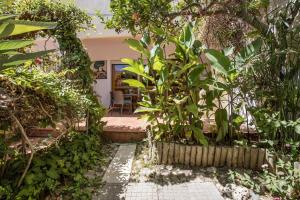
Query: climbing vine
column 44, row 92
column 70, row 21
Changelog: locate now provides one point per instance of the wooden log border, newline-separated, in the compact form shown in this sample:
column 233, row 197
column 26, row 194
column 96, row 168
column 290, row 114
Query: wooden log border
column 212, row 156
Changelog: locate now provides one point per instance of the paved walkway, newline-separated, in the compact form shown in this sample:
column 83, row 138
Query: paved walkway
column 183, row 191
column 120, row 167
column 117, row 185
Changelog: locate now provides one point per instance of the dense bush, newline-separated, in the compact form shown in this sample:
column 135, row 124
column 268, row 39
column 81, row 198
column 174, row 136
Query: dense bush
column 55, row 171
column 180, row 91
column 260, row 81
column 32, row 96
column 40, row 99
column 70, row 21
column 264, row 87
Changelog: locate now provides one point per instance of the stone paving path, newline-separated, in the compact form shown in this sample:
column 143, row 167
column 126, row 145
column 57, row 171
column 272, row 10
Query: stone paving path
column 183, row 191
column 117, row 185
column 120, row 167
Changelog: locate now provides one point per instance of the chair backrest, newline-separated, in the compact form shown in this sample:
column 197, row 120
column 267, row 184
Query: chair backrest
column 118, row 97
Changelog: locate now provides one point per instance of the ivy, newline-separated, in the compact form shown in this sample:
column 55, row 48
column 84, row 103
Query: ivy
column 56, row 170
column 70, row 21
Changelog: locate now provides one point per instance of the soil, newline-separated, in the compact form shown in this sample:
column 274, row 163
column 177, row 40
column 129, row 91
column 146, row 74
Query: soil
column 146, row 170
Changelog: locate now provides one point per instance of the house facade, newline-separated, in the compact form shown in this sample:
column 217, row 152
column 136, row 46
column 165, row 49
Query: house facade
column 106, row 48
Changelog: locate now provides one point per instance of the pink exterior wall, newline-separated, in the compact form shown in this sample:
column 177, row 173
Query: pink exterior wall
column 108, row 48
column 112, row 50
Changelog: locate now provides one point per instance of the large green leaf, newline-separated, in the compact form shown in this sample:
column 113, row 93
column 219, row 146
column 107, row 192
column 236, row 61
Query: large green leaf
column 194, row 75
column 220, row 116
column 4, row 18
column 297, row 128
column 193, row 108
column 222, row 123
column 10, row 53
column 158, row 64
column 18, row 59
column 156, row 51
column 14, row 44
column 146, row 109
column 134, row 83
column 219, row 61
column 16, row 27
column 129, row 61
column 136, row 68
column 164, row 74
column 137, row 46
column 187, row 37
column 198, row 133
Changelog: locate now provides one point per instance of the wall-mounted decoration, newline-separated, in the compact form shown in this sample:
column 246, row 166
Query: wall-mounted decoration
column 100, row 69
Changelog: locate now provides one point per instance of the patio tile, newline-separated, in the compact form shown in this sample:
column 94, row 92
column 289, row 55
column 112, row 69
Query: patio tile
column 203, row 191
column 111, row 191
column 141, row 191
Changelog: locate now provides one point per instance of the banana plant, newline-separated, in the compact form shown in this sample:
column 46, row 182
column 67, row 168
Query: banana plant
column 170, row 85
column 226, row 66
column 179, row 89
column 10, row 54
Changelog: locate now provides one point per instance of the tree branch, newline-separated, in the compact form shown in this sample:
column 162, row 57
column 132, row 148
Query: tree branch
column 28, row 142
column 223, row 9
column 294, row 12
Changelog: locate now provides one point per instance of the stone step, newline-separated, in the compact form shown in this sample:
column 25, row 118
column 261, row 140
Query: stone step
column 124, row 137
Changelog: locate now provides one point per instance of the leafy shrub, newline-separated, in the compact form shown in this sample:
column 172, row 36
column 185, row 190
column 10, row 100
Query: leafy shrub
column 44, row 98
column 179, row 90
column 31, row 97
column 285, row 182
column 70, row 21
column 55, row 171
column 10, row 56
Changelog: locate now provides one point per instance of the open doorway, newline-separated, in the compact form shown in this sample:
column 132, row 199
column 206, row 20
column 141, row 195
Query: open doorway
column 123, row 97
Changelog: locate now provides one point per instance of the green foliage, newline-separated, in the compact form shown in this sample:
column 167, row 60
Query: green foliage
column 136, row 15
column 222, row 123
column 8, row 48
column 70, row 20
column 48, row 97
column 262, row 77
column 35, row 94
column 219, row 62
column 170, row 86
column 284, row 183
column 271, row 76
column 58, row 170
column 269, row 125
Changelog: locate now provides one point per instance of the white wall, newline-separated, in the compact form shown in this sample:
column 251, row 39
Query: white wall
column 103, row 87
column 112, row 50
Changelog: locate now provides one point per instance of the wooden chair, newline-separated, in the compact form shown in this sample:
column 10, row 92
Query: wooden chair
column 119, row 101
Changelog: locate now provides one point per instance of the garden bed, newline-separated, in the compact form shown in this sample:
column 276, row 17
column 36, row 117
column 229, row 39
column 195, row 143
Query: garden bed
column 43, row 132
column 208, row 156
